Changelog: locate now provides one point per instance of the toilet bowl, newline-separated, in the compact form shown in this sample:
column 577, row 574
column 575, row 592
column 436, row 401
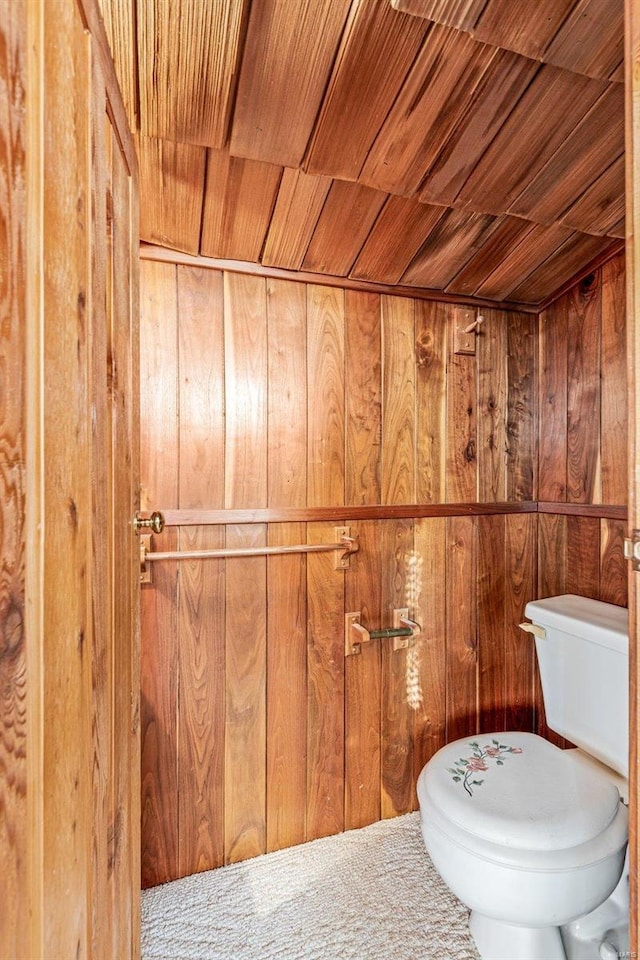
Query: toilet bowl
column 524, row 837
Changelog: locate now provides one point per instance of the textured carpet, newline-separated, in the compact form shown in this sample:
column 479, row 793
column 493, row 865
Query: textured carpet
column 369, row 894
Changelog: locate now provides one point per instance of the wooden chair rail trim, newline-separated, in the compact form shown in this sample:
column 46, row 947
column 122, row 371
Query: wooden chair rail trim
column 149, row 251
column 197, row 518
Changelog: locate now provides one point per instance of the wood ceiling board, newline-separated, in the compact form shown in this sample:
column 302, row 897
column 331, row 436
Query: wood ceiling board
column 239, row 200
column 455, row 13
column 430, row 104
column 522, row 26
column 578, row 250
column 591, row 40
column 298, row 206
column 453, row 242
column 288, row 56
column 503, row 84
column 586, row 153
column 188, row 55
column 120, row 24
column 507, row 233
column 345, row 223
column 534, row 248
column 552, row 106
column 171, row 191
column 396, row 237
column 377, row 50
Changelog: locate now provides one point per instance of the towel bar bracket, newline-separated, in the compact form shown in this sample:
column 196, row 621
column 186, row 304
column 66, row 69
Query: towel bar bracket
column 403, row 632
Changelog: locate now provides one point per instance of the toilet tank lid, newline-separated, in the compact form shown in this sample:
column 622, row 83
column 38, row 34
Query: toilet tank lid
column 603, row 623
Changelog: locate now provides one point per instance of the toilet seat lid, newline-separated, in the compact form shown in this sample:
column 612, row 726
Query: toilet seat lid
column 517, row 790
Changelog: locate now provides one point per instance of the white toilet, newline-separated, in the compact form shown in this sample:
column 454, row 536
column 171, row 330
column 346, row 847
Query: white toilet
column 533, row 838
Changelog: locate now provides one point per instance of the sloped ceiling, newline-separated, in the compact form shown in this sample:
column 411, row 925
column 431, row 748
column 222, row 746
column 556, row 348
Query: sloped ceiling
column 469, row 146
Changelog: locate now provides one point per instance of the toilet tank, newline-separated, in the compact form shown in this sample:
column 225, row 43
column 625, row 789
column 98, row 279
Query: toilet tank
column 584, row 669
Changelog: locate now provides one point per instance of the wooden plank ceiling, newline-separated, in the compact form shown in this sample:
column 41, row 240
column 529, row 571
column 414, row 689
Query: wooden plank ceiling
column 470, row 146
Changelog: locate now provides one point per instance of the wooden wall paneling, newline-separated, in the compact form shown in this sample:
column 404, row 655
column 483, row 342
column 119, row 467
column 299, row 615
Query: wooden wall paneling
column 529, row 136
column 462, row 460
column 236, row 227
column 363, row 583
column 363, row 397
column 354, row 108
column 461, row 627
column 15, row 797
column 553, row 581
column 492, row 412
column 285, row 69
column 552, row 402
column 245, row 698
column 348, row 203
column 398, row 789
column 424, row 115
column 492, row 654
column 159, row 655
column 505, row 80
column 521, row 545
column 245, row 334
column 325, row 673
column 431, row 339
column 298, row 206
column 586, row 153
column 397, row 235
column 286, row 394
column 66, row 739
column 521, row 410
column 188, row 60
column 613, row 394
column 286, row 748
column 201, row 599
column 172, row 179
column 583, row 392
column 601, row 207
column 102, row 547
column 613, row 568
column 325, row 399
column 120, row 24
column 583, row 556
column 398, row 400
column 427, row 679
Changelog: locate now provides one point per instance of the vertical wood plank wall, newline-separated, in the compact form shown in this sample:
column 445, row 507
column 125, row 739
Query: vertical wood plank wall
column 263, row 393
column 69, row 789
column 583, row 436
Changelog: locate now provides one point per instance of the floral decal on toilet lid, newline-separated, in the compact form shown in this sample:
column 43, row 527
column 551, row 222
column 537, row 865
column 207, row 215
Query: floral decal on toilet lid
column 467, row 768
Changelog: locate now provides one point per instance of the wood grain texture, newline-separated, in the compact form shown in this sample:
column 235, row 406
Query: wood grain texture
column 583, row 393
column 579, row 248
column 462, row 470
column 325, row 705
column 492, row 414
column 521, row 413
column 463, row 15
column 492, row 660
column 613, row 572
column 245, row 699
column 350, row 203
column 245, row 338
column 325, row 397
column 188, row 60
column 363, row 592
column 552, row 413
column 285, row 68
column 237, row 227
column 299, row 202
column 355, row 105
column 171, row 193
column 398, row 791
column 583, row 556
column 455, row 239
column 613, row 398
column 531, row 250
column 600, row 209
column 363, row 397
column 461, row 628
column 398, row 412
column 431, row 340
column 520, row 657
column 590, row 40
column 286, row 799
column 14, row 678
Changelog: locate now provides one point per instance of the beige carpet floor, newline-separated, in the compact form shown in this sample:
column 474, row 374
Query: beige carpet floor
column 369, row 894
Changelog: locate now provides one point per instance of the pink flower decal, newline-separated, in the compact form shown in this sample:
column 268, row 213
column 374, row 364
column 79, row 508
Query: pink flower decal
column 467, row 767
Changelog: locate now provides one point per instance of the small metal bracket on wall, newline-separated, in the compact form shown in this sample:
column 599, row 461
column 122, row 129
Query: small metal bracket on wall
column 145, row 568
column 632, row 550
column 403, row 632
